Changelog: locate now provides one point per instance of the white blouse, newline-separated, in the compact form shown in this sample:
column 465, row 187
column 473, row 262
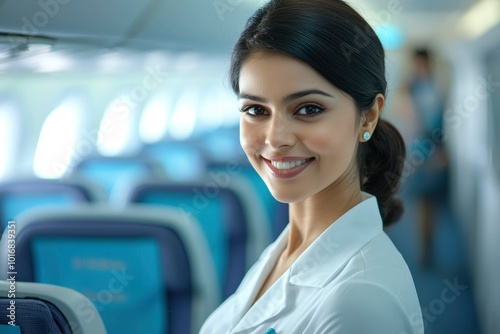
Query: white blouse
column 350, row 280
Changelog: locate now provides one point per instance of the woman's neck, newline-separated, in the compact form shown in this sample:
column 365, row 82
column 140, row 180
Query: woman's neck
column 308, row 219
column 311, row 217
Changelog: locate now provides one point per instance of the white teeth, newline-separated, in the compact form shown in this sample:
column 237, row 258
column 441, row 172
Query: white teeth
column 288, row 164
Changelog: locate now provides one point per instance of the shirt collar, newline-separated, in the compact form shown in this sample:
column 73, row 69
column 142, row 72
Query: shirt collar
column 328, row 254
column 321, row 261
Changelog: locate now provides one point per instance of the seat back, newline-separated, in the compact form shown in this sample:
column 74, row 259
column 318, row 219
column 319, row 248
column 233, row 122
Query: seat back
column 112, row 173
column 276, row 212
column 220, row 214
column 43, row 308
column 182, row 161
column 19, row 195
column 145, row 270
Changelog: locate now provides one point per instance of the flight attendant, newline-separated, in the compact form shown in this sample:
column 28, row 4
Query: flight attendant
column 310, row 78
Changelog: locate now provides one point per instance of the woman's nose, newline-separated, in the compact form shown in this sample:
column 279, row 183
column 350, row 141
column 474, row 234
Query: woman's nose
column 279, row 132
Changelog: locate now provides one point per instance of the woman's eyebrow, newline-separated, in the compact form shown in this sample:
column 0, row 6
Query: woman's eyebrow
column 286, row 99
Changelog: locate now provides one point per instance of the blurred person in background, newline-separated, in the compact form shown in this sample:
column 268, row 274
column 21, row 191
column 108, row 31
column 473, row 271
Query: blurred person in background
column 428, row 184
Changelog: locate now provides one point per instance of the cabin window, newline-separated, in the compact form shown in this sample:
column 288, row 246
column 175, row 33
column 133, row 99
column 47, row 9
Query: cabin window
column 116, row 131
column 55, row 152
column 183, row 117
column 154, row 119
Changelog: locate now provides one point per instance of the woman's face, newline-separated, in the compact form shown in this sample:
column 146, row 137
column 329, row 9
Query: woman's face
column 299, row 132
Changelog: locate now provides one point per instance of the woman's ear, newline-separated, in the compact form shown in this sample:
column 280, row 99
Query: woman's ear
column 370, row 118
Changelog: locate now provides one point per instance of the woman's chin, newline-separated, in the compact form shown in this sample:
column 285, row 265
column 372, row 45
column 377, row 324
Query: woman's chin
column 285, row 197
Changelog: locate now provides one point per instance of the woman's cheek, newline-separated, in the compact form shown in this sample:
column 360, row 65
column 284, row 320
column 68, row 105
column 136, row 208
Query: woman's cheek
column 333, row 146
column 248, row 139
column 323, row 140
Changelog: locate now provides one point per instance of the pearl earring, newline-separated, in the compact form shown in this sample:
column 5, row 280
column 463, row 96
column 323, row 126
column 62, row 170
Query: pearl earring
column 366, row 136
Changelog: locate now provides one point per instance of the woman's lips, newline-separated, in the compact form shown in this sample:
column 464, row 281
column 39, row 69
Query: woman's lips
column 287, row 167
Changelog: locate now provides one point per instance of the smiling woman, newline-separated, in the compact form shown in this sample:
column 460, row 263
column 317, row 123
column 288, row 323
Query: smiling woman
column 310, row 77
column 305, row 121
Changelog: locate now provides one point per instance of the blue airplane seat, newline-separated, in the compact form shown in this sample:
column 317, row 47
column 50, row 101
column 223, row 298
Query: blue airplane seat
column 19, row 195
column 43, row 308
column 222, row 145
column 147, row 270
column 182, row 160
column 113, row 173
column 277, row 212
column 221, row 217
column 33, row 316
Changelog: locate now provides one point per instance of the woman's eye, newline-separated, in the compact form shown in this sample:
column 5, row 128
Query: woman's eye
column 310, row 110
column 253, row 110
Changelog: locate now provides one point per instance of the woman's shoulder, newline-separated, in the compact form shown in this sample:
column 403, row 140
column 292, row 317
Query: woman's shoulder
column 380, row 253
column 364, row 306
column 374, row 290
column 379, row 264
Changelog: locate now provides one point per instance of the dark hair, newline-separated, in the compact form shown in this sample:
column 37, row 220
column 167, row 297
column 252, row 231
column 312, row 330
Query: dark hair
column 338, row 43
column 422, row 53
